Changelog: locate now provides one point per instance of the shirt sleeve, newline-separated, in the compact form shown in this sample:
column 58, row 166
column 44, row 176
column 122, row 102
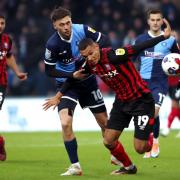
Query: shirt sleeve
column 50, row 55
column 92, row 33
column 175, row 47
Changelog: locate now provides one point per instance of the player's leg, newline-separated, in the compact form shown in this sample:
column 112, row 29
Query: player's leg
column 2, row 141
column 115, row 147
column 159, row 91
column 117, row 122
column 156, row 129
column 2, row 149
column 66, row 109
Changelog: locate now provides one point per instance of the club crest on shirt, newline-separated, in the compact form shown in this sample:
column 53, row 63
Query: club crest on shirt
column 164, row 44
column 120, row 52
column 91, row 29
column 108, row 67
column 47, row 54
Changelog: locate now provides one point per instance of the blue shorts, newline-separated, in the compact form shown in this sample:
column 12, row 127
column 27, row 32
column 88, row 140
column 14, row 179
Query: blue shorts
column 86, row 93
column 159, row 89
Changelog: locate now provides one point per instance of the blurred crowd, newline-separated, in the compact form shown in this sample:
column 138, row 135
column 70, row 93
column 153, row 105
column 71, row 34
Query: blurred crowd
column 29, row 25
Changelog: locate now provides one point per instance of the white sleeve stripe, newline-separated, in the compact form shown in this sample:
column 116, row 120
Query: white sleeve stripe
column 49, row 63
column 98, row 37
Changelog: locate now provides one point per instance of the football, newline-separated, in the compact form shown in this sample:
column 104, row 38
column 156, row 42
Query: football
column 171, row 64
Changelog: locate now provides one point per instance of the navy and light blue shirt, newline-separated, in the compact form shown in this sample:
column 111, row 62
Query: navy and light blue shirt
column 64, row 53
column 151, row 58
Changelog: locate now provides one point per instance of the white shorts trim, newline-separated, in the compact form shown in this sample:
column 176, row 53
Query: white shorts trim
column 67, row 97
column 158, row 105
column 95, row 106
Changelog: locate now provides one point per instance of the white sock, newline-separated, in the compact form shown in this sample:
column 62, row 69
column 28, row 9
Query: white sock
column 129, row 167
column 77, row 164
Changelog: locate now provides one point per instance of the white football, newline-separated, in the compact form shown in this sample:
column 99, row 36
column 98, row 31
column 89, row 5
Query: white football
column 171, row 64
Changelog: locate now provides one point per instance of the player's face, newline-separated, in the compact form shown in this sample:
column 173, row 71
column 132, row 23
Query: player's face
column 63, row 26
column 91, row 53
column 2, row 25
column 155, row 22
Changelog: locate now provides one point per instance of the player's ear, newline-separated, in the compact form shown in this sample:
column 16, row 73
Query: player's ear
column 148, row 22
column 54, row 25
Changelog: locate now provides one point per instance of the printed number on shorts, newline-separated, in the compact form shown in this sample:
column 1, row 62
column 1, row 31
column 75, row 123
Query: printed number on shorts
column 97, row 95
column 1, row 96
column 177, row 93
column 161, row 97
column 142, row 121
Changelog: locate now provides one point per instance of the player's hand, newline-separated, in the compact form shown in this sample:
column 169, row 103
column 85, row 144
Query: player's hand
column 53, row 101
column 80, row 74
column 167, row 29
column 22, row 76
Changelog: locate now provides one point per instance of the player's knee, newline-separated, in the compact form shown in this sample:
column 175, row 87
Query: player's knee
column 141, row 149
column 65, row 125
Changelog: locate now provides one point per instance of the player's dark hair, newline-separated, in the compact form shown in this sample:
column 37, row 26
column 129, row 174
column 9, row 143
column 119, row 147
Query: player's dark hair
column 59, row 13
column 2, row 16
column 153, row 11
column 84, row 43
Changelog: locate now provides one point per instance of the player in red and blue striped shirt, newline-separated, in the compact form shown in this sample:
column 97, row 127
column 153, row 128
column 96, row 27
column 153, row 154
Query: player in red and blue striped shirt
column 6, row 58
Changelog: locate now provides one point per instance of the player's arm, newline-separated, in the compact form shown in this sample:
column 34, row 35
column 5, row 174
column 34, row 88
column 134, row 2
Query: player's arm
column 50, row 60
column 51, row 71
column 11, row 62
column 54, row 101
column 122, row 54
column 98, row 37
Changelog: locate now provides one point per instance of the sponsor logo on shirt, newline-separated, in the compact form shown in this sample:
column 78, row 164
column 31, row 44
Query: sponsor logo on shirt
column 156, row 55
column 110, row 74
column 63, row 52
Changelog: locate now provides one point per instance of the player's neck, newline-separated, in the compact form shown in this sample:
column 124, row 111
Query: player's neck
column 67, row 39
column 155, row 33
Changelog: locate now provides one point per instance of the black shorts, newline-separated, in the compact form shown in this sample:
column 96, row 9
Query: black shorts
column 141, row 110
column 2, row 95
column 173, row 93
column 86, row 93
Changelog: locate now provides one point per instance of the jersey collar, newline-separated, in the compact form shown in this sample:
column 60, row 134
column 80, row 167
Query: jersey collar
column 150, row 34
column 66, row 39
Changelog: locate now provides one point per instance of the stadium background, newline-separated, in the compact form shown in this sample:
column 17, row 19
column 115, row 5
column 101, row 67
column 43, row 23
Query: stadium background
column 29, row 25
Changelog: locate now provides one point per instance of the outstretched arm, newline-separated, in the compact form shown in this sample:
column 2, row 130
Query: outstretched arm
column 119, row 55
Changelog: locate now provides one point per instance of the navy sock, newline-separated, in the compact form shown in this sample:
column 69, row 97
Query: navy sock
column 71, row 148
column 156, row 127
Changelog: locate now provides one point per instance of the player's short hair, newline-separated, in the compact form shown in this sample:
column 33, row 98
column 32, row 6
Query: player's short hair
column 84, row 43
column 153, row 11
column 2, row 16
column 59, row 13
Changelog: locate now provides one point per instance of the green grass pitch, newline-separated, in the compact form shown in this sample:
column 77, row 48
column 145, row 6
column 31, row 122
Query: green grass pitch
column 41, row 156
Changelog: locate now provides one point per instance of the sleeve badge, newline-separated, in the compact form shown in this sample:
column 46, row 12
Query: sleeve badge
column 91, row 30
column 120, row 52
